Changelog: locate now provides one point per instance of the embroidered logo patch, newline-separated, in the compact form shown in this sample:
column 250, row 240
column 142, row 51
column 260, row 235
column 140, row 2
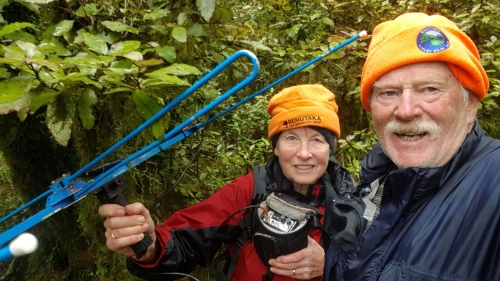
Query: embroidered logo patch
column 432, row 40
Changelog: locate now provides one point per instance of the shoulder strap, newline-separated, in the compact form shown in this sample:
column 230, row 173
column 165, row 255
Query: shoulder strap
column 259, row 193
column 259, row 187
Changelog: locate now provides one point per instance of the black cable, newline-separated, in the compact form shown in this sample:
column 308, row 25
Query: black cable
column 157, row 202
column 218, row 228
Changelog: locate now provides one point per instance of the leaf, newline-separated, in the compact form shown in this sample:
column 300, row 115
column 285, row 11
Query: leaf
column 222, row 15
column 159, row 28
column 206, row 8
column 20, row 35
column 13, row 52
column 256, row 45
column 167, row 52
column 80, row 77
column 88, row 10
column 95, row 43
column 59, row 120
column 14, row 88
column 63, row 27
column 14, row 27
column 134, row 56
column 179, row 34
column 124, row 47
column 86, row 61
column 4, row 73
column 181, row 18
column 177, row 69
column 23, row 113
column 158, row 14
column 53, row 47
column 84, row 108
column 121, row 71
column 42, row 62
column 150, row 62
column 196, row 29
column 147, row 107
column 162, row 79
column 293, row 31
column 475, row 8
column 29, row 49
column 16, row 105
column 327, row 21
column 41, row 98
column 119, row 27
column 118, row 90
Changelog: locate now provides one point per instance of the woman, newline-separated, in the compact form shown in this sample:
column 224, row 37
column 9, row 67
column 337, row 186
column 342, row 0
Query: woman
column 303, row 129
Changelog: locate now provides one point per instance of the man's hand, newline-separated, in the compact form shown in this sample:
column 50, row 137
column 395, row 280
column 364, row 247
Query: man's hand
column 125, row 226
column 304, row 264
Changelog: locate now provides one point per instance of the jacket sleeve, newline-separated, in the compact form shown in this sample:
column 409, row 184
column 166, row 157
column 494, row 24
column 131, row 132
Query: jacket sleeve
column 185, row 239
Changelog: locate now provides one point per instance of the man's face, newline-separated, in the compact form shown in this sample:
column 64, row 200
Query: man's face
column 420, row 115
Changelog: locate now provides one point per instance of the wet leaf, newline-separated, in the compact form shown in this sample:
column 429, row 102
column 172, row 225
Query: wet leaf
column 206, row 8
column 84, row 108
column 53, row 47
column 179, row 34
column 158, row 14
column 134, row 56
column 23, row 113
column 9, row 28
column 39, row 99
column 119, row 26
column 63, row 27
column 150, row 62
column 124, row 47
column 147, row 108
column 14, row 88
column 59, row 123
column 167, row 52
column 88, row 10
column 29, row 49
column 177, row 69
column 16, row 105
column 95, row 43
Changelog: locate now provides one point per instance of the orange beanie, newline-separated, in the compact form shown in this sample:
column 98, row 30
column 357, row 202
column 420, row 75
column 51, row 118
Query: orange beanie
column 301, row 106
column 417, row 37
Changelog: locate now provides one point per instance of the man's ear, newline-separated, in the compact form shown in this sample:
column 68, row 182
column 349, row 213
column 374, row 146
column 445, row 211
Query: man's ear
column 471, row 109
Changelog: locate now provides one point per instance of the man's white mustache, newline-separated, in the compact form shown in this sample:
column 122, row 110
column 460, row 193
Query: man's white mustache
column 412, row 128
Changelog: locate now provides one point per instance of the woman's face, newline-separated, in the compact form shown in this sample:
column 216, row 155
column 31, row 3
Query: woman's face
column 303, row 156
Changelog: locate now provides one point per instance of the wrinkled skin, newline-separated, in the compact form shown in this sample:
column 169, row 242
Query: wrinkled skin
column 420, row 115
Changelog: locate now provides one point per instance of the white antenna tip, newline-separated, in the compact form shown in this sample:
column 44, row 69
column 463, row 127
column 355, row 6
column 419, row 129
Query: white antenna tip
column 24, row 244
column 363, row 34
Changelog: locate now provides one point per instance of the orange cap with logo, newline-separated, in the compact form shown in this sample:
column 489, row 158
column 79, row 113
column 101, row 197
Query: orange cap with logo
column 418, row 37
column 303, row 106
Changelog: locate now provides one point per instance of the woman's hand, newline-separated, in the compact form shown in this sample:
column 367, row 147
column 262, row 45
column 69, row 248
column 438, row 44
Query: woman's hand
column 126, row 226
column 304, row 264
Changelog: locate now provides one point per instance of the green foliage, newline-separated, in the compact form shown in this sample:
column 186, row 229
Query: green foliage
column 353, row 149
column 78, row 76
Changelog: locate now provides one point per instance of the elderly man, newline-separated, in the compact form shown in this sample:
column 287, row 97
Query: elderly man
column 434, row 179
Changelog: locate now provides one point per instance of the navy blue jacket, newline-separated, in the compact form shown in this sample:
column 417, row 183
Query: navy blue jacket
column 434, row 223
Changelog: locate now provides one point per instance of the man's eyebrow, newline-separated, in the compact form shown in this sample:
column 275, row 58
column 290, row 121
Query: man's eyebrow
column 384, row 85
column 381, row 85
